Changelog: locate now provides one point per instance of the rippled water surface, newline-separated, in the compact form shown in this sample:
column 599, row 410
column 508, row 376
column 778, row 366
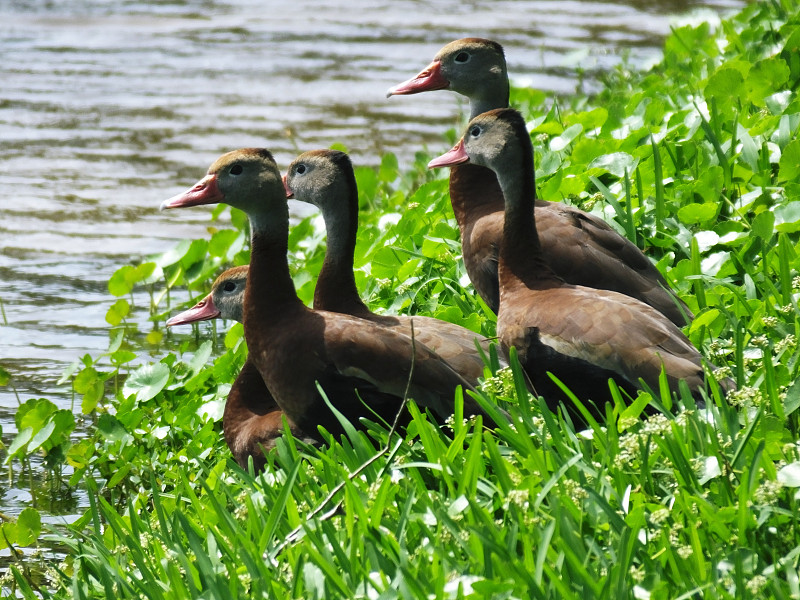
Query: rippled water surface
column 109, row 106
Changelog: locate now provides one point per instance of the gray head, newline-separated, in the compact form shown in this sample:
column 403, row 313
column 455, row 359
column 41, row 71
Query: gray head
column 248, row 179
column 497, row 139
column 473, row 67
column 224, row 302
column 321, row 178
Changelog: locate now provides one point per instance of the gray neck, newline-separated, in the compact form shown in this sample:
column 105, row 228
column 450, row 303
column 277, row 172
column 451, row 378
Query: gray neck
column 494, row 97
column 478, row 106
column 340, row 235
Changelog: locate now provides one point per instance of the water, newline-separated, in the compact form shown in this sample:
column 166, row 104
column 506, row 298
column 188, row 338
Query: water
column 109, row 106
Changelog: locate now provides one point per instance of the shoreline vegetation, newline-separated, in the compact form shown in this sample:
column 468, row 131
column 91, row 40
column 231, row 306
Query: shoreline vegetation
column 697, row 161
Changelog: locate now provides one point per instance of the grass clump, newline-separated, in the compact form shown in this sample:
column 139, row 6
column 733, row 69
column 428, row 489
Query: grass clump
column 697, row 161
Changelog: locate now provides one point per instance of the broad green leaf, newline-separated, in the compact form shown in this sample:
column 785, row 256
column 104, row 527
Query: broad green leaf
column 34, row 413
column 367, row 180
column 28, row 526
column 586, row 149
column 706, row 240
column 118, row 311
column 146, row 381
column 65, row 424
column 145, row 271
column 122, row 281
column 92, row 396
column 591, row 119
column 173, row 255
column 194, row 254
column 779, row 102
column 709, row 469
column 110, row 428
column 41, row 436
column 119, row 475
column 200, row 357
column 617, row 163
column 548, row 127
column 749, row 149
column 704, row 319
column 792, row 401
column 222, row 241
column 8, row 534
column 120, row 357
column 85, row 379
column 790, row 162
column 763, row 224
column 234, row 336
column 548, row 164
column 691, row 214
column 5, row 376
column 724, row 84
column 765, row 78
column 22, row 438
column 560, row 142
column 115, row 339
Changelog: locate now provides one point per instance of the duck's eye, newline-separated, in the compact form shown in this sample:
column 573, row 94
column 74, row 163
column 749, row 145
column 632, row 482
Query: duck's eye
column 462, row 57
column 300, row 169
column 474, row 131
column 229, row 286
column 237, row 169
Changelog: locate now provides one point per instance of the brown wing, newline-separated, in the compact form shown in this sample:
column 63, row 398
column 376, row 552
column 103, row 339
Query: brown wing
column 383, row 358
column 584, row 250
column 605, row 329
column 353, row 360
column 453, row 343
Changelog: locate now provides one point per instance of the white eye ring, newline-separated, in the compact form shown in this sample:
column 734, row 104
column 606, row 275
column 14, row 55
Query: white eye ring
column 300, row 169
column 474, row 131
column 462, row 57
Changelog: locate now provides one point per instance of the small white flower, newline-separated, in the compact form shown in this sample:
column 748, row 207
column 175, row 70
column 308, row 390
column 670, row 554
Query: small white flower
column 755, row 585
column 769, row 322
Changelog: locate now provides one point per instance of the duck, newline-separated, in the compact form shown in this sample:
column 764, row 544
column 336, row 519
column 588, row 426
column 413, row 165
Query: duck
column 325, row 179
column 318, row 365
column 252, row 421
column 580, row 247
column 583, row 336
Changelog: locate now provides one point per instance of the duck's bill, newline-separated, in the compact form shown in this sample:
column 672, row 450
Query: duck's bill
column 289, row 192
column 205, row 191
column 455, row 156
column 428, row 80
column 202, row 311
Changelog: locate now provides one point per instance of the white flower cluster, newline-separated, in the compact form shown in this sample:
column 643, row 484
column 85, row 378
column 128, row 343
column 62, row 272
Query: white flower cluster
column 502, row 384
column 788, row 342
column 769, row 322
column 745, row 396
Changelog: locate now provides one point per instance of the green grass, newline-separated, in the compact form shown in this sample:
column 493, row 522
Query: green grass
column 696, row 161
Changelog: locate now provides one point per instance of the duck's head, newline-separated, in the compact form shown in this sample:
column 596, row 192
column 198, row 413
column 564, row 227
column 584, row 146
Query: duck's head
column 323, row 178
column 473, row 67
column 225, row 300
column 492, row 140
column 247, row 179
